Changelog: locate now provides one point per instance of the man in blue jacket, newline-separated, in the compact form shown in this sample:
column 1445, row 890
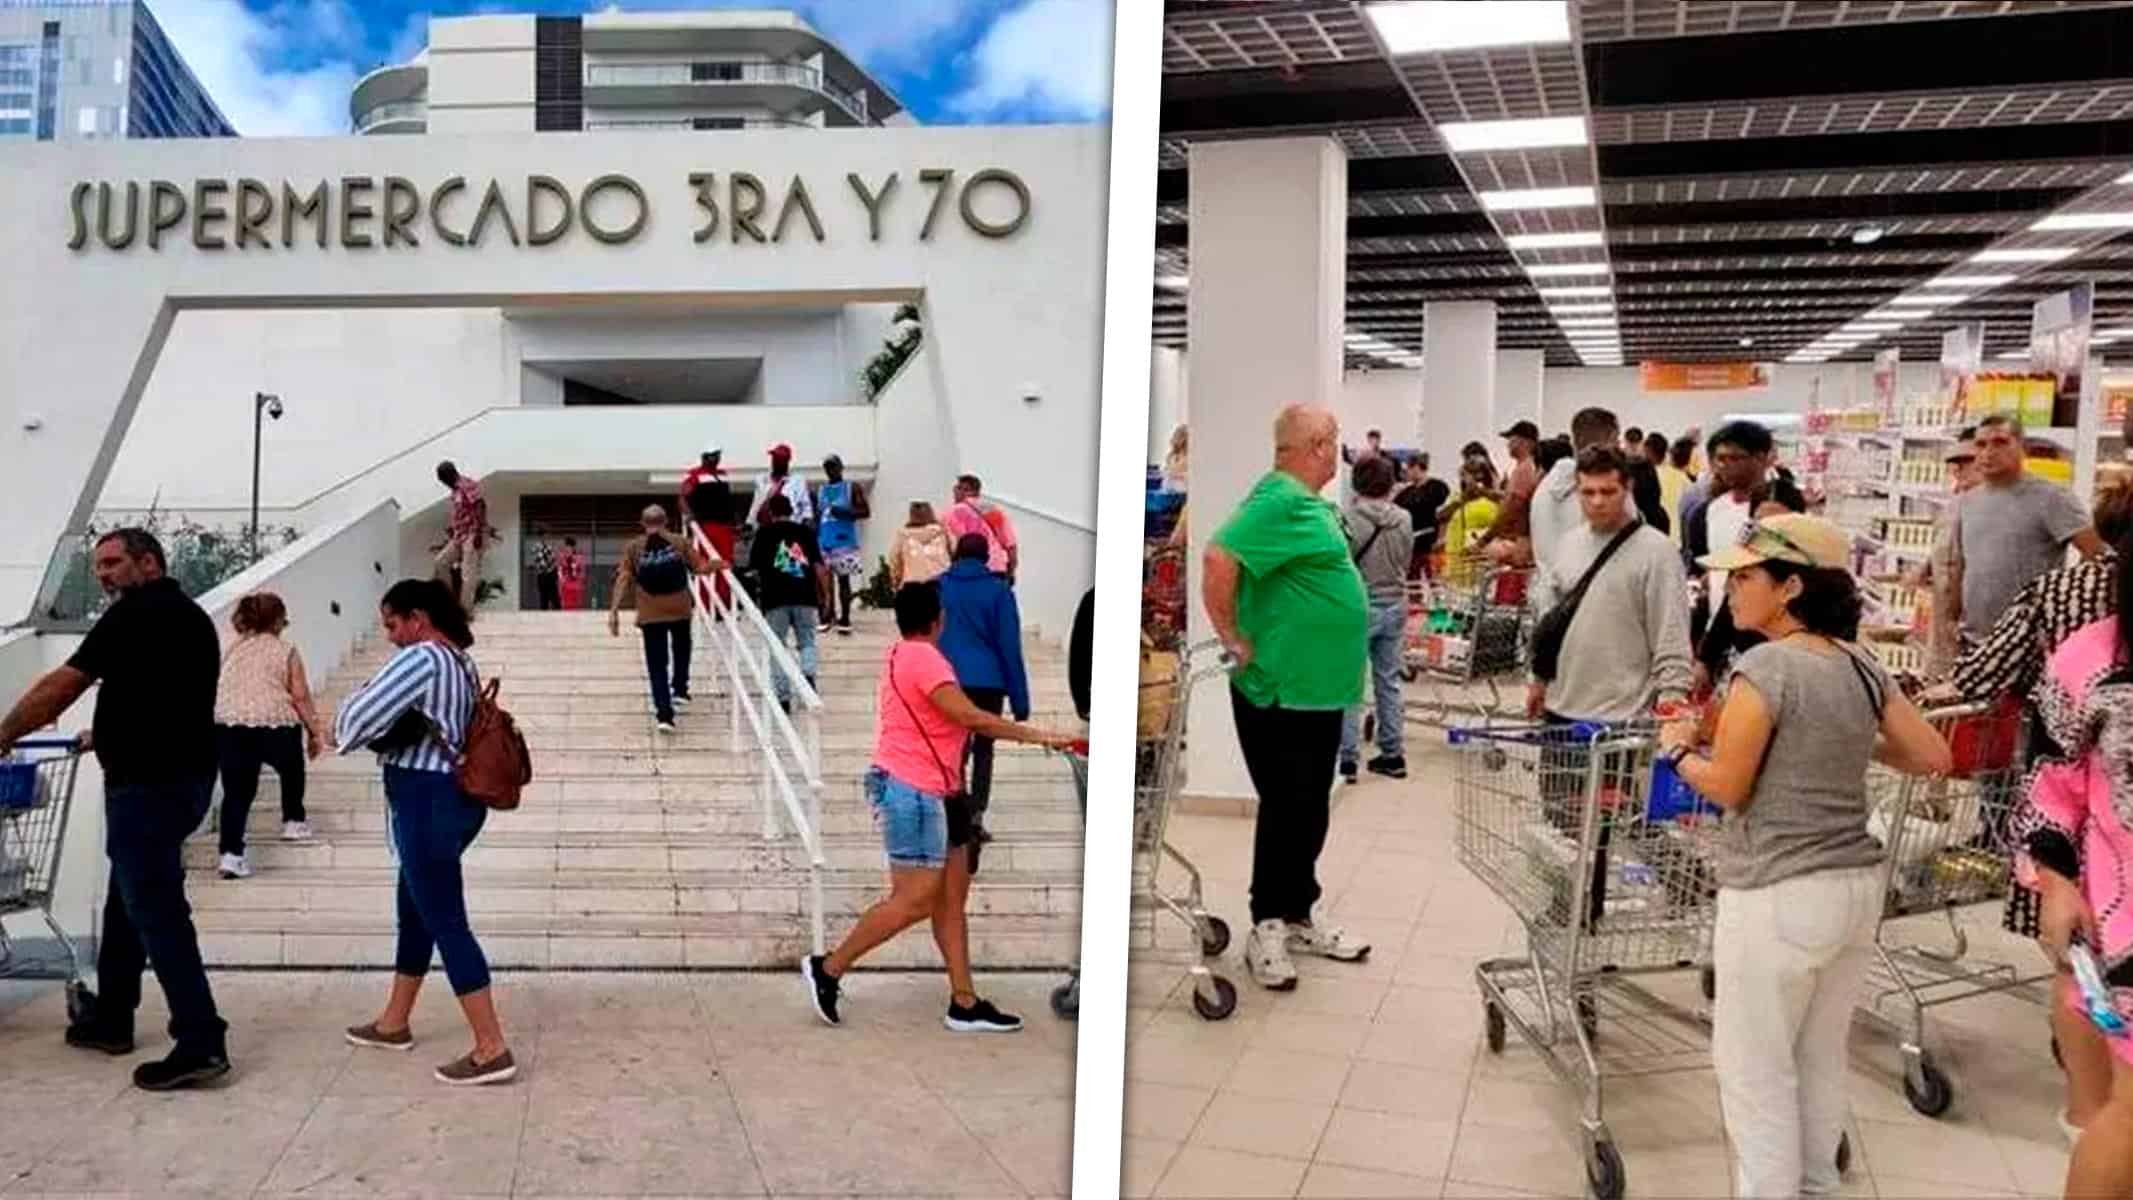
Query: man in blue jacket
column 982, row 638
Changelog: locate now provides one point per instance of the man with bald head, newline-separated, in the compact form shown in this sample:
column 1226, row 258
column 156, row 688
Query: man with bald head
column 1289, row 605
column 655, row 571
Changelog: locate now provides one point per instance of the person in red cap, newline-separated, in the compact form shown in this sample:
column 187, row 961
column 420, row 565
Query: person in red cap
column 707, row 501
column 783, row 483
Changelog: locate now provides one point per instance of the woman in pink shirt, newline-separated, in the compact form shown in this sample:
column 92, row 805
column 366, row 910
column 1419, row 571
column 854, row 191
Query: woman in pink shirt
column 922, row 718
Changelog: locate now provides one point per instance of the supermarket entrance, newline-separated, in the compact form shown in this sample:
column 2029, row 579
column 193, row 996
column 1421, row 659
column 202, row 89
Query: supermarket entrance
column 602, row 525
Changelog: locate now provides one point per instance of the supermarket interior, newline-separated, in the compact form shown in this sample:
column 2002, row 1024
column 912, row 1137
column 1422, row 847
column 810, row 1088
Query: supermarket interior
column 1441, row 221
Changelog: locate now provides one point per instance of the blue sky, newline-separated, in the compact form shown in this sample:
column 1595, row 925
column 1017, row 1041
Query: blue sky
column 284, row 67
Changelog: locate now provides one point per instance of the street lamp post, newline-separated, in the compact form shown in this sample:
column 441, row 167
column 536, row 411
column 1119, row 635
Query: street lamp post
column 264, row 405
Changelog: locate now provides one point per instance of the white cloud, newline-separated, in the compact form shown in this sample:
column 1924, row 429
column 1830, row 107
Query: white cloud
column 1045, row 60
column 237, row 53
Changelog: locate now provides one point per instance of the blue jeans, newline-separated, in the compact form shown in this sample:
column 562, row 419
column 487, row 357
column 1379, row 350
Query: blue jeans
column 433, row 823
column 146, row 918
column 1388, row 635
column 800, row 622
column 913, row 824
column 656, row 637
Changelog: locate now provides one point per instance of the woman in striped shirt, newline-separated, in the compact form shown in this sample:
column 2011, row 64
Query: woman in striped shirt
column 413, row 714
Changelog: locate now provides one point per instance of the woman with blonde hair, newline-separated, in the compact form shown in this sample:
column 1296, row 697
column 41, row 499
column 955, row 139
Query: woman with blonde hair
column 921, row 552
column 263, row 717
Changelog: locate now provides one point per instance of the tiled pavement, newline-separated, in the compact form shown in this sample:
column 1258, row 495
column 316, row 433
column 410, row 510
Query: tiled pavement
column 631, row 1085
column 1372, row 1079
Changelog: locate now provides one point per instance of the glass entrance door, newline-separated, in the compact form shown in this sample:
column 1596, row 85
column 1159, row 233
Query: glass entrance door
column 602, row 525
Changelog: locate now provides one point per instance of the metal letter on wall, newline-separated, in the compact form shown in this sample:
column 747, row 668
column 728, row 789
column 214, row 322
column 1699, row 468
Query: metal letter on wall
column 449, row 187
column 1007, row 179
column 940, row 178
column 77, row 207
column 873, row 200
column 255, row 207
column 746, row 210
column 314, row 207
column 547, row 185
column 492, row 200
column 206, row 208
column 166, row 210
column 103, row 216
column 403, row 205
column 707, row 199
column 796, row 197
column 355, row 207
column 606, row 183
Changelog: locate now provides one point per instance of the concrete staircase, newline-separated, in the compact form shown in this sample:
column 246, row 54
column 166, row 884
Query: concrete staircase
column 641, row 849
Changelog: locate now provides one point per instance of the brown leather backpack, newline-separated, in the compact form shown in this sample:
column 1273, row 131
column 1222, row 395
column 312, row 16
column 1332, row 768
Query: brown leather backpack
column 495, row 766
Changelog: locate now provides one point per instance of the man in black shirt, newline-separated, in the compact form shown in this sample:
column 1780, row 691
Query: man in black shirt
column 157, row 657
column 787, row 561
column 1422, row 497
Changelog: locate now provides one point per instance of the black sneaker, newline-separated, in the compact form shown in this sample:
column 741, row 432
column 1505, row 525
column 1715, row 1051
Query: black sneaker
column 90, row 1036
column 1392, row 766
column 182, row 1069
column 822, row 989
column 981, row 1017
column 1348, row 771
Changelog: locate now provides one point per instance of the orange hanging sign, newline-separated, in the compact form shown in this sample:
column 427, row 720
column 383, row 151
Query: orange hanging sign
column 1702, row 377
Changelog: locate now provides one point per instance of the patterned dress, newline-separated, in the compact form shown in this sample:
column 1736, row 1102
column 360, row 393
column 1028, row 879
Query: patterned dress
column 2011, row 662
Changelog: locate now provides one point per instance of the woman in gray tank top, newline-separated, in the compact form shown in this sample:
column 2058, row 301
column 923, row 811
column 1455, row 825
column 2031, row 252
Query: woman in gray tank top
column 1799, row 880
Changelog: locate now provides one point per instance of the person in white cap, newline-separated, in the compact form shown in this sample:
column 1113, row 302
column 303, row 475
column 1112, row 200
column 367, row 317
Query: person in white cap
column 1799, row 875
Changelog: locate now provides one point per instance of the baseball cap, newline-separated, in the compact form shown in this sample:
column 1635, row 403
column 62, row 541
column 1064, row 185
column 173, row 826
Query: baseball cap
column 1524, row 429
column 714, row 448
column 1793, row 538
column 781, row 450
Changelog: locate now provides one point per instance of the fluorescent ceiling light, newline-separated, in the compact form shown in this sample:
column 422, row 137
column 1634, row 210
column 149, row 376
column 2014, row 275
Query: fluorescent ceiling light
column 2125, row 178
column 1174, row 283
column 2085, row 220
column 1588, row 323
column 1557, row 270
column 1463, row 137
column 2115, row 332
column 1554, row 241
column 1434, row 26
column 1867, row 235
column 1871, row 327
column 2012, row 356
column 1582, row 289
column 1520, row 198
column 1568, row 310
column 1968, row 281
column 2040, row 254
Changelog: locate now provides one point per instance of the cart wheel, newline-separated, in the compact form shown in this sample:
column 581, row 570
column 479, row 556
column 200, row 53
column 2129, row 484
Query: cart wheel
column 1066, row 1003
column 1219, row 1008
column 1492, row 1026
column 1931, row 1093
column 1214, row 936
column 81, row 1002
column 1604, row 1173
column 1844, row 1153
column 1708, row 979
column 1588, row 1014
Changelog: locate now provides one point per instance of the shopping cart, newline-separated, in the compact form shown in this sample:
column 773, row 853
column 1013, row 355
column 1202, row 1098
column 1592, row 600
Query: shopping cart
column 1163, row 594
column 1949, row 847
column 1610, row 879
column 1466, row 630
column 1066, row 998
column 36, row 796
column 1159, row 773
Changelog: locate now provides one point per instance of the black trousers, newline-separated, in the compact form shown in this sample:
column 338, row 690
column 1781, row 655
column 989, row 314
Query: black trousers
column 243, row 749
column 977, row 754
column 550, row 587
column 1289, row 754
column 146, row 918
column 657, row 636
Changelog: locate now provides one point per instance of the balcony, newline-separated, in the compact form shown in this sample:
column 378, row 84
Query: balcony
column 398, row 116
column 694, row 124
column 685, row 77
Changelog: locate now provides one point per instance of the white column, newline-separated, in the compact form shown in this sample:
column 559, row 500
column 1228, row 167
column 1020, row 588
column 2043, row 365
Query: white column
column 1518, row 388
column 1458, row 381
column 1263, row 321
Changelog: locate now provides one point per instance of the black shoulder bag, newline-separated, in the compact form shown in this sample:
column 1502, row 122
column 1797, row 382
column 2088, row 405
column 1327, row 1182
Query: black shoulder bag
column 1554, row 625
column 962, row 819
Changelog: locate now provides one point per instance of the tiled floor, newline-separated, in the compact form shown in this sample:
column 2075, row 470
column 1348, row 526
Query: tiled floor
column 1372, row 1079
column 631, row 1085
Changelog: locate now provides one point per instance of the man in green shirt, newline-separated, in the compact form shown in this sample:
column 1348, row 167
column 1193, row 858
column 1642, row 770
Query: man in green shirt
column 1289, row 606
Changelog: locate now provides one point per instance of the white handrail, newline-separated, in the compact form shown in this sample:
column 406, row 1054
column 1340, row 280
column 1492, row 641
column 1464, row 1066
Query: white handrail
column 728, row 621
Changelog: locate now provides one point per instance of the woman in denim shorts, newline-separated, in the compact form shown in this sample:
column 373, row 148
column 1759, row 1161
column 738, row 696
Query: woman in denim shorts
column 922, row 720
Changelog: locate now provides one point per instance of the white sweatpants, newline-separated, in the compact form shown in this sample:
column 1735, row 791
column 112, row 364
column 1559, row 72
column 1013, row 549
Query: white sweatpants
column 1791, row 960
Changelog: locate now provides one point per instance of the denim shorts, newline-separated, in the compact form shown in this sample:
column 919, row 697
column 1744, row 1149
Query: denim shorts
column 913, row 824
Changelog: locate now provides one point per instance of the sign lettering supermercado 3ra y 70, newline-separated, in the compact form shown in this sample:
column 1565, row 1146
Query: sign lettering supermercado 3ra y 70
column 363, row 212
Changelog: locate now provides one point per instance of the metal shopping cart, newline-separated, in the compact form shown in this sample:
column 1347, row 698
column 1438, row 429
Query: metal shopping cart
column 1066, row 998
column 36, row 797
column 1466, row 630
column 1610, row 880
column 1163, row 598
column 1949, row 847
column 1159, row 773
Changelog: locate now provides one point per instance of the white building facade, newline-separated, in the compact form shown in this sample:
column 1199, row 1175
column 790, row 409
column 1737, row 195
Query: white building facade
column 676, row 71
column 571, row 318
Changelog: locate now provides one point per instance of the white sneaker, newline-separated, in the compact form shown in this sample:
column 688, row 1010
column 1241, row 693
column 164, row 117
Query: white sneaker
column 1326, row 941
column 684, row 701
column 296, row 831
column 1266, row 953
column 234, row 866
column 666, row 726
column 2067, row 1129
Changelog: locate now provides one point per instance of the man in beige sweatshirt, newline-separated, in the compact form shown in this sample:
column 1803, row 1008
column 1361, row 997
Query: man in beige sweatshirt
column 655, row 571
